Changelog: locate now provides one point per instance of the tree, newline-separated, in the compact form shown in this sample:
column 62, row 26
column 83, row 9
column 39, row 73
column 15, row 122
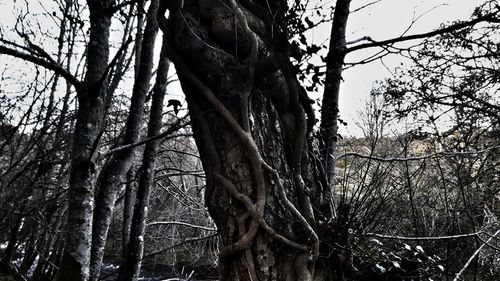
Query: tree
column 95, row 96
column 268, row 191
column 270, row 176
column 119, row 163
column 130, row 267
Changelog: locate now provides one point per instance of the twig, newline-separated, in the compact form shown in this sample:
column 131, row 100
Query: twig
column 457, row 276
column 174, row 127
column 185, row 241
column 451, row 28
column 398, row 159
column 475, row 234
column 181, row 223
column 57, row 68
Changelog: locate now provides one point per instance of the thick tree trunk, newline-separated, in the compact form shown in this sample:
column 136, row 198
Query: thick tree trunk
column 249, row 124
column 117, row 166
column 131, row 264
column 76, row 257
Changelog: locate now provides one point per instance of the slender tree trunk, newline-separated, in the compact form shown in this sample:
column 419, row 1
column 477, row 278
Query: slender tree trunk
column 131, row 264
column 128, row 208
column 76, row 258
column 11, row 245
column 333, row 79
column 117, row 166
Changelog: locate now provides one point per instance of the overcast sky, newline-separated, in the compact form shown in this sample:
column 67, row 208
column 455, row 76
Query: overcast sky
column 385, row 20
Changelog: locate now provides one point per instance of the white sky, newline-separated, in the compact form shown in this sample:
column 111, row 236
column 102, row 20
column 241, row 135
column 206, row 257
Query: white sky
column 384, row 20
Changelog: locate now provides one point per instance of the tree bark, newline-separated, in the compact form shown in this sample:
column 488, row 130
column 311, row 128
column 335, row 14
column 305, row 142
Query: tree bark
column 91, row 93
column 128, row 208
column 250, row 128
column 333, row 79
column 119, row 163
column 131, row 264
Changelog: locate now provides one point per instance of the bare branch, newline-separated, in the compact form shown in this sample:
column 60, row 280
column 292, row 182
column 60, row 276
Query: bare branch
column 451, row 28
column 57, row 68
column 181, row 223
column 174, row 127
column 365, row 6
column 450, row 237
column 397, row 159
column 457, row 276
column 185, row 241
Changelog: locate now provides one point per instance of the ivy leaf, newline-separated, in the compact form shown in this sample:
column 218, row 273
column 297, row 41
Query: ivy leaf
column 381, row 268
column 313, row 49
column 309, row 22
column 420, row 249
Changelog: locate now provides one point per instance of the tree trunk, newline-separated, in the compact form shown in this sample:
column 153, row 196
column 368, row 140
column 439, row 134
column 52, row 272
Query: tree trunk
column 249, row 123
column 128, row 208
column 131, row 264
column 76, row 257
column 117, row 166
column 330, row 104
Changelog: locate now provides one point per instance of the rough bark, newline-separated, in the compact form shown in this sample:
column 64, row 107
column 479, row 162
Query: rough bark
column 114, row 170
column 249, row 125
column 76, row 257
column 131, row 264
column 128, row 208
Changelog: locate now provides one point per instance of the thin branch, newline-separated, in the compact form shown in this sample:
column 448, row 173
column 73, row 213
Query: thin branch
column 114, row 61
column 451, row 28
column 397, row 159
column 457, row 276
column 116, row 8
column 58, row 69
column 181, row 223
column 185, row 241
column 489, row 244
column 450, row 237
column 364, row 6
column 174, row 127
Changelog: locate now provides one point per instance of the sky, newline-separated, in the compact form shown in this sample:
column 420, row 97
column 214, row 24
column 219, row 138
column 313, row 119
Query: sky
column 384, row 20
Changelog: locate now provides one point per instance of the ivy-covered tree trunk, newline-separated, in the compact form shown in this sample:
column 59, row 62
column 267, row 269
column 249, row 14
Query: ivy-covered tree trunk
column 252, row 121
